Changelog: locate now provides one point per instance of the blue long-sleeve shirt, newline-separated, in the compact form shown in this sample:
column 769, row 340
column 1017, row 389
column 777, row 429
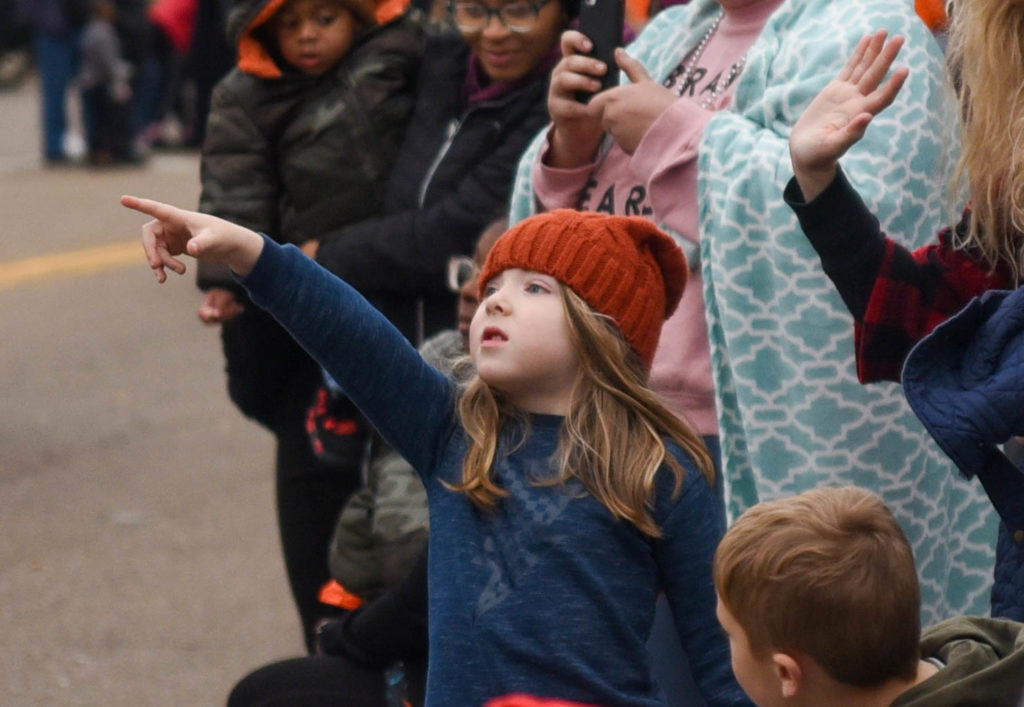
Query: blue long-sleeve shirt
column 549, row 594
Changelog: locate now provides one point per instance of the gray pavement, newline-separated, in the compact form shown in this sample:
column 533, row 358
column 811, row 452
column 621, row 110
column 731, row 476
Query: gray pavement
column 139, row 560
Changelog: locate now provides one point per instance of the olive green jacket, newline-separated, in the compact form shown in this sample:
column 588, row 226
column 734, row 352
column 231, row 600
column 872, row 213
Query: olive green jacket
column 984, row 665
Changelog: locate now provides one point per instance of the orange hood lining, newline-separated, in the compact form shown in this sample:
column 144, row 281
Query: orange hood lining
column 253, row 57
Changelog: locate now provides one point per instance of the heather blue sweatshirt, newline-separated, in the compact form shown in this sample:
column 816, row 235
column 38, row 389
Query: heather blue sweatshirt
column 549, row 594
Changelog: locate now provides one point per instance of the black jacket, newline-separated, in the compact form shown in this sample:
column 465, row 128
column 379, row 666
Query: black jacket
column 290, row 156
column 453, row 176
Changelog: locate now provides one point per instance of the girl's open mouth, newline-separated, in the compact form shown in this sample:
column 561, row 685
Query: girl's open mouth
column 493, row 335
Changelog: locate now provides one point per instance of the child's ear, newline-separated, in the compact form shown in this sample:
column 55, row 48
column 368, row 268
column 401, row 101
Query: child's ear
column 789, row 674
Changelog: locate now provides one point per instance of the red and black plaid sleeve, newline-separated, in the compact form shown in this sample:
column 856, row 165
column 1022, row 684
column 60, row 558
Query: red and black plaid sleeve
column 913, row 292
column 896, row 296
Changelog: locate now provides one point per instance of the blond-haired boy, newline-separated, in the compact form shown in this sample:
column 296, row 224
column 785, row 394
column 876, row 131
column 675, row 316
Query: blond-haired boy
column 819, row 596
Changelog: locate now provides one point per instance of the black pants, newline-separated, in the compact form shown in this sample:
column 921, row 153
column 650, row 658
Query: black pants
column 313, row 681
column 310, row 496
column 393, row 627
column 272, row 380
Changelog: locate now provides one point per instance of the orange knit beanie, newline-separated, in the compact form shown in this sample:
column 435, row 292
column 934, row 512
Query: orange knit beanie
column 621, row 266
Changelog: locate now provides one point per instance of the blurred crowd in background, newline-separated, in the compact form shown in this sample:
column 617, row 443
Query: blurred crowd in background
column 143, row 70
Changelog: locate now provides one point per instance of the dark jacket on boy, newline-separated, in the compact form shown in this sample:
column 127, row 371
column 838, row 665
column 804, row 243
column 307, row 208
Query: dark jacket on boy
column 292, row 156
column 295, row 155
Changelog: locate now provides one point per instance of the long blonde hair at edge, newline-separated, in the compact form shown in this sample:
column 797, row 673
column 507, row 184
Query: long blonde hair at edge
column 986, row 62
column 612, row 438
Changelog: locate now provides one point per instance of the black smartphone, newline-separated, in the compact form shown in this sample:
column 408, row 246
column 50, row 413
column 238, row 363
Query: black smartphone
column 602, row 21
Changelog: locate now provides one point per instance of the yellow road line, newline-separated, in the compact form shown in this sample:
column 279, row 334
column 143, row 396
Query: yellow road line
column 86, row 260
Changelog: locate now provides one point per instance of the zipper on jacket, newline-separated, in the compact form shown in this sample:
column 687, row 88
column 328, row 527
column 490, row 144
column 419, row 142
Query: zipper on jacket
column 451, row 131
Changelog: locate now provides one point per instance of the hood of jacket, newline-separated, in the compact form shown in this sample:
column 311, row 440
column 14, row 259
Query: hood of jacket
column 248, row 16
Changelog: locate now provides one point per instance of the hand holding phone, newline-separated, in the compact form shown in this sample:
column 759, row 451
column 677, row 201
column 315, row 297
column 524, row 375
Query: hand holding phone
column 602, row 22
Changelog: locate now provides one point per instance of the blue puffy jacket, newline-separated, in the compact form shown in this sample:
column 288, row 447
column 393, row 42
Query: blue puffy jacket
column 965, row 381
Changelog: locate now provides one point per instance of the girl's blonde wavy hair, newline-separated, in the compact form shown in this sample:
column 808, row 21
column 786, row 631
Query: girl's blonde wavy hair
column 986, row 61
column 612, row 440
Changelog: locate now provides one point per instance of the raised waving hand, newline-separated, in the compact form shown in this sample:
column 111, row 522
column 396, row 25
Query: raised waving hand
column 841, row 112
column 174, row 232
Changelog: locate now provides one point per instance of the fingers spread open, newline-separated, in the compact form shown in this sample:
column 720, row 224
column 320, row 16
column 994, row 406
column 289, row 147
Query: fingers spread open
column 871, row 51
column 855, row 59
column 883, row 96
column 880, row 65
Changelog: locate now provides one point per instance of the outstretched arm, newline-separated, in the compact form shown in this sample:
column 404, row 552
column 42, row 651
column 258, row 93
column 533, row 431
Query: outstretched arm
column 175, row 231
column 356, row 344
column 841, row 112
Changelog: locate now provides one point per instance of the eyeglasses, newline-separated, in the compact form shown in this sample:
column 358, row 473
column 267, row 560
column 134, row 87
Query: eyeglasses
column 517, row 16
column 461, row 271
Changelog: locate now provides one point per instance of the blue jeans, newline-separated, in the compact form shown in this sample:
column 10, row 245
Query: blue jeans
column 57, row 61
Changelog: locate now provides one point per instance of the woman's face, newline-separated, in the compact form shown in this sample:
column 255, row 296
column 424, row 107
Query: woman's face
column 506, row 55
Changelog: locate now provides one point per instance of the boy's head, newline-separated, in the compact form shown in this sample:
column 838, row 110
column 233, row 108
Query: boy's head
column 310, row 35
column 622, row 267
column 823, row 581
column 314, row 35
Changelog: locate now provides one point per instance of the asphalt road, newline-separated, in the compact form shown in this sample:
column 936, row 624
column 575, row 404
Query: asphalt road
column 139, row 559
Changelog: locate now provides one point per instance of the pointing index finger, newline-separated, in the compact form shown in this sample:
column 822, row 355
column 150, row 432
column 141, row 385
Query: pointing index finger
column 149, row 207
